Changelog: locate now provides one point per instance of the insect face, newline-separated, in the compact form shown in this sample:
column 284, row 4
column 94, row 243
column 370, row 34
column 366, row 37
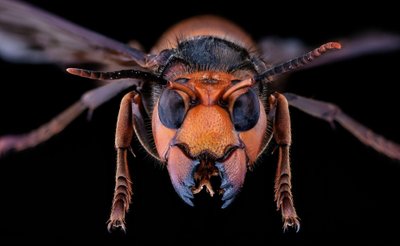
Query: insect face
column 208, row 117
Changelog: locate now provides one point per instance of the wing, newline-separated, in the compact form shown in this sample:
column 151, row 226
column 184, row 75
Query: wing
column 275, row 50
column 332, row 113
column 30, row 35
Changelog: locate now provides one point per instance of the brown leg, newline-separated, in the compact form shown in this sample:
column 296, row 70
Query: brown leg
column 130, row 122
column 123, row 187
column 90, row 100
column 21, row 142
column 331, row 113
column 282, row 135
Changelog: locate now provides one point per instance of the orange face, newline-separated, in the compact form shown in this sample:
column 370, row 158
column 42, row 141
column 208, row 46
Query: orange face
column 205, row 125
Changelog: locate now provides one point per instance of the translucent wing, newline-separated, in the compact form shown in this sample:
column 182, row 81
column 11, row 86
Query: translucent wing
column 30, row 35
column 275, row 50
column 332, row 113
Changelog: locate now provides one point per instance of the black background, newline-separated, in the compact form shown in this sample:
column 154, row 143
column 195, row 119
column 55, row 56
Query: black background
column 61, row 191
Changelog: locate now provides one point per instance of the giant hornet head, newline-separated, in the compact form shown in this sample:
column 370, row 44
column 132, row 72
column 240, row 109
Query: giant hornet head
column 210, row 111
column 209, row 120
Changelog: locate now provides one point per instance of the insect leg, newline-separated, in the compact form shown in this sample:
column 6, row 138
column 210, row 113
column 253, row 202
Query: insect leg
column 282, row 135
column 123, row 184
column 330, row 112
column 90, row 100
column 130, row 122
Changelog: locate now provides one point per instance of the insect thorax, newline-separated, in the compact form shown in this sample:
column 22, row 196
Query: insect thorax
column 207, row 53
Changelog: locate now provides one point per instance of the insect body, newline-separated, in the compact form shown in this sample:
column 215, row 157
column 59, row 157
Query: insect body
column 203, row 90
column 211, row 117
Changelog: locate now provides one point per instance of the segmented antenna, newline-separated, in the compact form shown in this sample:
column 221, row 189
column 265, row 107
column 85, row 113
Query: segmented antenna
column 298, row 62
column 122, row 74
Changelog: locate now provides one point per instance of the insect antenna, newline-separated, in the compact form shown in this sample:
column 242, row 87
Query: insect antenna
column 233, row 88
column 298, row 62
column 121, row 74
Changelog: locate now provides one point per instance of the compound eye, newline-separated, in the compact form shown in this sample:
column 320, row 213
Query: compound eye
column 171, row 109
column 246, row 111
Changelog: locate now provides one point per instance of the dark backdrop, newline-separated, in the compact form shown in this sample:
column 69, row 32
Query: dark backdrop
column 61, row 191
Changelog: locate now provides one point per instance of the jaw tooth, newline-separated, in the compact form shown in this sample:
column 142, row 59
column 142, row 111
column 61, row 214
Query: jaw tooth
column 229, row 190
column 220, row 167
column 227, row 203
column 229, row 193
column 195, row 164
column 189, row 181
column 187, row 192
column 225, row 184
column 186, row 195
column 222, row 175
column 229, row 196
column 187, row 200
